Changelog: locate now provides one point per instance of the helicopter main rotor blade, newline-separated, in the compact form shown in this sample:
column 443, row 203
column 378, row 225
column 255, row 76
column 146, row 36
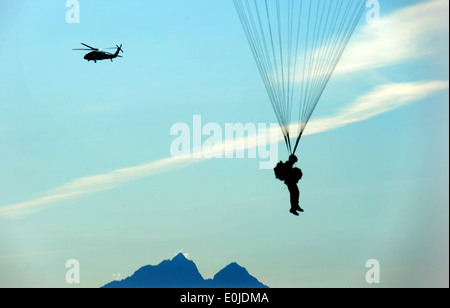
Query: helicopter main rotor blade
column 89, row 46
column 82, row 49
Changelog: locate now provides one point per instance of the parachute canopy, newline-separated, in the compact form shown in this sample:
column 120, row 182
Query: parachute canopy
column 297, row 45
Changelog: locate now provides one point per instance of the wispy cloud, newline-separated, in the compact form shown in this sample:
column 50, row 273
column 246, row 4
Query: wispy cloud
column 380, row 100
column 96, row 183
column 406, row 34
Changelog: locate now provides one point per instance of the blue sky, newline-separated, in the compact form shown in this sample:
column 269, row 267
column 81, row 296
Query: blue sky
column 86, row 171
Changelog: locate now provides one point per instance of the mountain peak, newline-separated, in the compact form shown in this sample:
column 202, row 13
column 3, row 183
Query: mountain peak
column 180, row 257
column 234, row 275
column 233, row 265
column 183, row 273
column 235, row 268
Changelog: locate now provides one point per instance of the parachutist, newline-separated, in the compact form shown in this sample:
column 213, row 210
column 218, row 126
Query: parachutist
column 290, row 175
column 297, row 30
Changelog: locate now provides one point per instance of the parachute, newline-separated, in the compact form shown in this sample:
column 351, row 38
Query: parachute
column 297, row 45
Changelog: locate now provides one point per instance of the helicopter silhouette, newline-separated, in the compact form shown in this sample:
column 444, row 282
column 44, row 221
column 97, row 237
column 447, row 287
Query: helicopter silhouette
column 97, row 54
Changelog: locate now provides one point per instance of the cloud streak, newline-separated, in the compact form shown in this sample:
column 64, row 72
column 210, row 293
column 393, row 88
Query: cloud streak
column 409, row 33
column 380, row 100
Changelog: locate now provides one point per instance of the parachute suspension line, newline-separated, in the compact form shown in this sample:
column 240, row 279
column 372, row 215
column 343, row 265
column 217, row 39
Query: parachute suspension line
column 275, row 98
column 280, row 105
column 260, row 52
column 319, row 82
column 342, row 34
column 301, row 125
column 278, row 82
column 266, row 62
column 317, row 59
column 292, row 56
column 297, row 45
column 312, row 53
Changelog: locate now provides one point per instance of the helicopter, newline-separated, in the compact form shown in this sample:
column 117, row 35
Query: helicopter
column 97, row 54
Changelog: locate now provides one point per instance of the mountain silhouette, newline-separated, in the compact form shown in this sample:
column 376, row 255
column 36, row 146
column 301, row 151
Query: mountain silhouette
column 183, row 273
column 235, row 276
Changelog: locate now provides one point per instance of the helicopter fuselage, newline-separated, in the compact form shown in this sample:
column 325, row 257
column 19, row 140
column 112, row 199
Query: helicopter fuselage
column 99, row 55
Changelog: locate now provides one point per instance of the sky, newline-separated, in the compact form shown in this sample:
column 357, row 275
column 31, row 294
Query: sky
column 86, row 170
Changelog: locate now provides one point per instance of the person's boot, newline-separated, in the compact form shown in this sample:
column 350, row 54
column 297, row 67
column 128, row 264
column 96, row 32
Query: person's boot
column 298, row 208
column 293, row 211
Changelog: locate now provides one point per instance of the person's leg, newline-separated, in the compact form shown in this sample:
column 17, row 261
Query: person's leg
column 295, row 197
column 298, row 201
column 294, row 194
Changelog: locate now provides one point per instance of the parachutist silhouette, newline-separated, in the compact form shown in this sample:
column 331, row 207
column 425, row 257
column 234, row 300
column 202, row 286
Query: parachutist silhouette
column 293, row 175
column 290, row 175
column 289, row 22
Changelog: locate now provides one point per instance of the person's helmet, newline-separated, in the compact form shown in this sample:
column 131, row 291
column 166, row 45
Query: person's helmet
column 293, row 158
